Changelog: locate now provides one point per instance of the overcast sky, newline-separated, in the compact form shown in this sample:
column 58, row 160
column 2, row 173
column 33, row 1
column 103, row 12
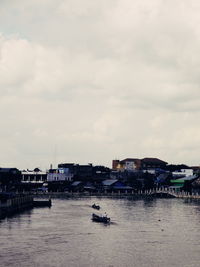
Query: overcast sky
column 94, row 80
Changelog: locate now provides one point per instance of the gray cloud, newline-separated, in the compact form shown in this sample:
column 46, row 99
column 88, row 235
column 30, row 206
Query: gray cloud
column 99, row 80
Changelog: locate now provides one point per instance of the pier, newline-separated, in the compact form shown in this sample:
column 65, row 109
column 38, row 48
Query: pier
column 13, row 203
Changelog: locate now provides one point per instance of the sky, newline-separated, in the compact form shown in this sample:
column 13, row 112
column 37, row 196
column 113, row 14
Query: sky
column 91, row 81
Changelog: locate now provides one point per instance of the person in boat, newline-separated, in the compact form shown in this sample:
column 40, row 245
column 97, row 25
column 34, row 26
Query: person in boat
column 96, row 206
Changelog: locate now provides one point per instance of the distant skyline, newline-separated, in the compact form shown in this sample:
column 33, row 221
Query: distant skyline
column 92, row 81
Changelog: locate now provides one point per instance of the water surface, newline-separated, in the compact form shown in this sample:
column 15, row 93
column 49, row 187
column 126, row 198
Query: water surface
column 161, row 232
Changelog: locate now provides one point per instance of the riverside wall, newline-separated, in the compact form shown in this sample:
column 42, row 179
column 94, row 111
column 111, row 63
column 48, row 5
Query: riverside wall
column 14, row 205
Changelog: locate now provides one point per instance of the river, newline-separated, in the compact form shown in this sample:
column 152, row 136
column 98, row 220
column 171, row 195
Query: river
column 159, row 232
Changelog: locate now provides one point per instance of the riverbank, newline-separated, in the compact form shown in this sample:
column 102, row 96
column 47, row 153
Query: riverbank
column 139, row 195
column 19, row 203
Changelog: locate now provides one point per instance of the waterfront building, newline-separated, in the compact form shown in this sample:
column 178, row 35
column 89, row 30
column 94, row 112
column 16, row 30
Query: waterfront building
column 135, row 164
column 77, row 186
column 60, row 174
column 35, row 180
column 115, row 185
column 129, row 164
column 89, row 187
column 152, row 164
column 86, row 172
column 10, row 179
column 80, row 172
column 100, row 173
column 183, row 173
column 163, row 179
column 68, row 167
column 34, row 176
column 69, row 172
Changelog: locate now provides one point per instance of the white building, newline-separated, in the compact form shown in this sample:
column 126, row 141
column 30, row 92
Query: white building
column 60, row 174
column 183, row 173
column 38, row 177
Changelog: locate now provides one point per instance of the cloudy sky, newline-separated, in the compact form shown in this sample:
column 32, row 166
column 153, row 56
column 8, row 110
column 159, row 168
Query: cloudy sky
column 91, row 81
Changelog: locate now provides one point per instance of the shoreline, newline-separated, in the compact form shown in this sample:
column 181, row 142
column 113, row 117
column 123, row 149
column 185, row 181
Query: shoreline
column 136, row 196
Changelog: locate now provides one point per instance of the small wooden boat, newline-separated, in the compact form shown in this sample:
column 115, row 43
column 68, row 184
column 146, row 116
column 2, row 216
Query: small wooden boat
column 98, row 218
column 97, row 207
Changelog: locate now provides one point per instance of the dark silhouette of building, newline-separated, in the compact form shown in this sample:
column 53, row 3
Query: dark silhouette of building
column 153, row 163
column 10, row 179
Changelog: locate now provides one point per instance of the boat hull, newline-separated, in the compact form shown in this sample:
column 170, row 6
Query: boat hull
column 102, row 219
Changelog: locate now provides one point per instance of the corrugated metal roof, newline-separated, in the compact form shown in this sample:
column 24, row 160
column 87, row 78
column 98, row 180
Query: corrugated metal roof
column 181, row 180
column 109, row 182
column 76, row 183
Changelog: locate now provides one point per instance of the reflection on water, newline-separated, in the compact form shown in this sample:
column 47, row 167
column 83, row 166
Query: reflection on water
column 159, row 232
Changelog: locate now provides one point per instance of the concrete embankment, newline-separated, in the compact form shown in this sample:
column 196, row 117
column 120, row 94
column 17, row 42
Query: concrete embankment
column 12, row 205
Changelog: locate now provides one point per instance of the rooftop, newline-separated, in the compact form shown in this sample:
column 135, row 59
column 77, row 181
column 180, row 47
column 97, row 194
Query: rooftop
column 109, row 182
column 153, row 160
column 129, row 159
